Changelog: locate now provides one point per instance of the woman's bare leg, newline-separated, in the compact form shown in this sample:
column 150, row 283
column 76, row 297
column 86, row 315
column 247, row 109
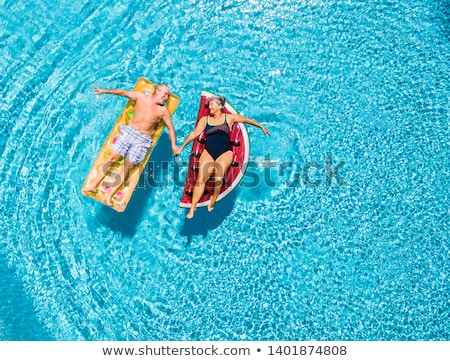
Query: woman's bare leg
column 206, row 168
column 221, row 166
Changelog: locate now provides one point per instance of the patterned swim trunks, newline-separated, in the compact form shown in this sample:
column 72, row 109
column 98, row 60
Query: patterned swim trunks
column 132, row 144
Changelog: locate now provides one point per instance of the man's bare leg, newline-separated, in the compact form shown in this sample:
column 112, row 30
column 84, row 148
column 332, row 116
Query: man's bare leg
column 102, row 171
column 124, row 171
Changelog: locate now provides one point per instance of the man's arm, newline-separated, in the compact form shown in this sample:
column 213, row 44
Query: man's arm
column 173, row 140
column 132, row 95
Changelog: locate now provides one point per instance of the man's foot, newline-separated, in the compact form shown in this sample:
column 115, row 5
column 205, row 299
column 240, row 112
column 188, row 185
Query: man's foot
column 120, row 206
column 94, row 182
column 89, row 188
column 108, row 200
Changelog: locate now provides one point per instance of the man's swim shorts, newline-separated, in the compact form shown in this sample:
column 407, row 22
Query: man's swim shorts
column 132, row 144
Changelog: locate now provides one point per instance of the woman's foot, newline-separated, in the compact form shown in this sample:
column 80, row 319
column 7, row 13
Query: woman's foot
column 190, row 213
column 211, row 204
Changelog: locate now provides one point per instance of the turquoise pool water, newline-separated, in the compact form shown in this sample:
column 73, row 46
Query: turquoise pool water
column 340, row 229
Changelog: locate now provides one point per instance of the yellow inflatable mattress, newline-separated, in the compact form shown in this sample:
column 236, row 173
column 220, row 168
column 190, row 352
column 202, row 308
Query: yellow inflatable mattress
column 122, row 196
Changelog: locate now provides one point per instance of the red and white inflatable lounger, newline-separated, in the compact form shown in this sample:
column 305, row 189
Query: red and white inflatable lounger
column 240, row 146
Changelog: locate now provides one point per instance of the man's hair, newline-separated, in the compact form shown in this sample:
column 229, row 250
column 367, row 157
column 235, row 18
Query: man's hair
column 161, row 86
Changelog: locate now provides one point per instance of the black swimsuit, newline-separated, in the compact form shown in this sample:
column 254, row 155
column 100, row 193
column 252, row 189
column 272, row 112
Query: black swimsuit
column 217, row 138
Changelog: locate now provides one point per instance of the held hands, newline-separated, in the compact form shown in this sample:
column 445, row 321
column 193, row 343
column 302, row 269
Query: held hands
column 175, row 150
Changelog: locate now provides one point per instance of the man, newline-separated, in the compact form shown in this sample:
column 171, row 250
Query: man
column 135, row 138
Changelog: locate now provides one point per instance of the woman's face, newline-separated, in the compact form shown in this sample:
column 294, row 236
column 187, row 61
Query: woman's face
column 214, row 105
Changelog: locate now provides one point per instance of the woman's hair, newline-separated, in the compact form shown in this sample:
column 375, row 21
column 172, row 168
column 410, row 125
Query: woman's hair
column 219, row 99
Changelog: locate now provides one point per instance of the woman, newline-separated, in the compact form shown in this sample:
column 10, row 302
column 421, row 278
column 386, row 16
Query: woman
column 217, row 155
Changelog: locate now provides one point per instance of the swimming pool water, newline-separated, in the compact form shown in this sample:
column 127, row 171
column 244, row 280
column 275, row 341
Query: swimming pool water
column 350, row 90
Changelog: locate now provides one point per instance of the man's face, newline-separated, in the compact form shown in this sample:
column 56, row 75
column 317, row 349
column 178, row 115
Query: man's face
column 163, row 93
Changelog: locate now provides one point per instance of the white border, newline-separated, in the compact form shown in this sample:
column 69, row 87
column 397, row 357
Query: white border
column 224, row 350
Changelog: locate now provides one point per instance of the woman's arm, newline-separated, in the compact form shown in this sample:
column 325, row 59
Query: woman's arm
column 200, row 127
column 240, row 119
